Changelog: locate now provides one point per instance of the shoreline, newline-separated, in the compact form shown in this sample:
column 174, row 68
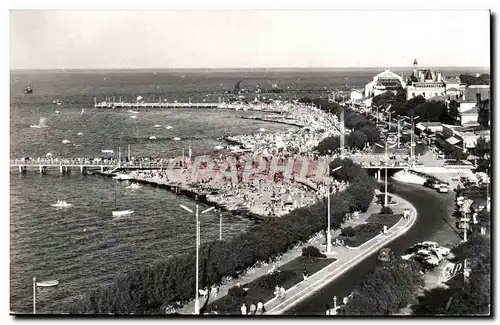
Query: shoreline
column 179, row 190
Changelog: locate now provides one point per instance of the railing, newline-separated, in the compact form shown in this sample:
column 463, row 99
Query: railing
column 76, row 162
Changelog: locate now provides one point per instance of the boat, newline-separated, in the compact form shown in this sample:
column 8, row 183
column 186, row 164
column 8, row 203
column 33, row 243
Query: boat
column 107, row 151
column 80, row 133
column 177, row 139
column 83, row 110
column 168, row 127
column 122, row 213
column 218, row 147
column 131, row 111
column 41, row 124
column 61, row 204
column 122, row 177
column 51, row 283
column 28, row 89
column 134, row 186
column 262, row 130
column 77, row 145
column 152, row 137
column 133, row 116
column 57, row 112
column 65, row 141
column 157, row 126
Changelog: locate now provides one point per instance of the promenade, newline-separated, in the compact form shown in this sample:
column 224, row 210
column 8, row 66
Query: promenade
column 345, row 259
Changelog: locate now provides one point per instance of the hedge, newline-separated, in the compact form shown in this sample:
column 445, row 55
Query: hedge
column 386, row 290
column 151, row 289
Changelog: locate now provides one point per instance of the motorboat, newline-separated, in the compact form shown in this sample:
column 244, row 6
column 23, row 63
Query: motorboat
column 134, row 186
column 76, row 145
column 168, row 127
column 177, row 139
column 57, row 112
column 262, row 130
column 152, row 137
column 133, row 116
column 107, row 151
column 123, row 177
column 157, row 126
column 51, row 283
column 61, row 204
column 218, row 147
column 131, row 111
column 41, row 124
column 122, row 213
column 65, row 141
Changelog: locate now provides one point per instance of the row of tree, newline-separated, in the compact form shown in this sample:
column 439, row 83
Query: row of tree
column 482, row 79
column 150, row 290
column 364, row 131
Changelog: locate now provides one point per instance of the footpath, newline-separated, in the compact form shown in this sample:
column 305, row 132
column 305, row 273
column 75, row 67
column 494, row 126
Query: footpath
column 345, row 257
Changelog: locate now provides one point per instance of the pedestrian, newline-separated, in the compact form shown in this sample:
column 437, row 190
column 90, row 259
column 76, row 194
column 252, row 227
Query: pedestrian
column 282, row 292
column 304, row 274
column 277, row 291
column 244, row 308
column 260, row 308
column 253, row 309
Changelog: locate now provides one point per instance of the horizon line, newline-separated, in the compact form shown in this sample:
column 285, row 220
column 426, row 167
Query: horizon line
column 249, row 68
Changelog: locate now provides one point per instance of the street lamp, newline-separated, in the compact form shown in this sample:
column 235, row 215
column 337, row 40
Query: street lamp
column 328, row 234
column 220, row 223
column 386, row 164
column 197, row 299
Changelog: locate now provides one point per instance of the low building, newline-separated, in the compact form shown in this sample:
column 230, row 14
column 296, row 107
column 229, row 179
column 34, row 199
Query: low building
column 472, row 95
column 465, row 137
column 383, row 82
column 431, row 127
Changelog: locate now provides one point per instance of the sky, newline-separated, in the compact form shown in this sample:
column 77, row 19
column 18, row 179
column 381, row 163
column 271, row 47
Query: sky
column 59, row 39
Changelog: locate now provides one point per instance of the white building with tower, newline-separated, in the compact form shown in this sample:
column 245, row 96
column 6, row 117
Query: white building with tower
column 432, row 85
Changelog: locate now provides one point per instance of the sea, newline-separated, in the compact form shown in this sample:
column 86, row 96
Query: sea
column 84, row 246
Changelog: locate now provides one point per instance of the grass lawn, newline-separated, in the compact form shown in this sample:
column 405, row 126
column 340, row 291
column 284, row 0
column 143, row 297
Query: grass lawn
column 262, row 288
column 388, row 220
column 373, row 227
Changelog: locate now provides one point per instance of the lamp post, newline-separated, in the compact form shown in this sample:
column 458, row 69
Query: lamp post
column 328, row 234
column 220, row 223
column 386, row 164
column 197, row 299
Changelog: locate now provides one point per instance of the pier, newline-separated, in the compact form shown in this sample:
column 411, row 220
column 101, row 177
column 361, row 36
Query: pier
column 139, row 104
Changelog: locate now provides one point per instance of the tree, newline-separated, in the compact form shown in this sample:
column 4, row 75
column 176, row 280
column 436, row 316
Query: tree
column 357, row 139
column 432, row 111
column 328, row 145
column 483, row 79
column 371, row 132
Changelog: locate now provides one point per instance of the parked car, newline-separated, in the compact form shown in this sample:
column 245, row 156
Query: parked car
column 385, row 255
column 427, row 258
column 443, row 188
column 442, row 250
column 410, row 252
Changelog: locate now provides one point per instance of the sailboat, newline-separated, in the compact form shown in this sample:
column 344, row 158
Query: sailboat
column 28, row 89
column 41, row 124
column 83, row 110
column 121, row 213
